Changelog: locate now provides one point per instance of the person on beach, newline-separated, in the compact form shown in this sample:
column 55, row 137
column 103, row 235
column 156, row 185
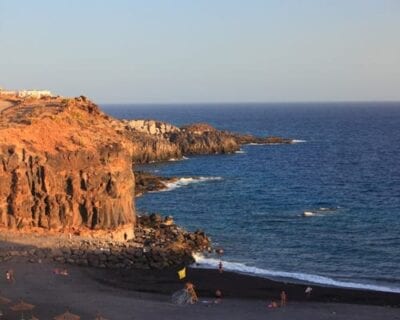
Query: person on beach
column 63, row 272
column 308, row 292
column 10, row 276
column 283, row 298
column 218, row 296
column 220, row 267
column 273, row 305
column 189, row 287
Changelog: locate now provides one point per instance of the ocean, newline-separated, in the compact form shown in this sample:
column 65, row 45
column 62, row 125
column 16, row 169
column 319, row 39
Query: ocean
column 344, row 170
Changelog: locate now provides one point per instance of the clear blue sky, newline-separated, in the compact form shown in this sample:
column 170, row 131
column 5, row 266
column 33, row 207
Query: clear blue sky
column 203, row 50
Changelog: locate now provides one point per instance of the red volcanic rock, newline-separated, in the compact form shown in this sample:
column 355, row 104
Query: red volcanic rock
column 62, row 165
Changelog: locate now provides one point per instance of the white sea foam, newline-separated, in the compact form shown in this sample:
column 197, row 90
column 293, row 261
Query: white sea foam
column 264, row 144
column 298, row 141
column 181, row 182
column 178, row 159
column 319, row 212
column 211, row 263
column 240, row 151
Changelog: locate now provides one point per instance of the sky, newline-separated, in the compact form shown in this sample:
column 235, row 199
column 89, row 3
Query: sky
column 166, row 51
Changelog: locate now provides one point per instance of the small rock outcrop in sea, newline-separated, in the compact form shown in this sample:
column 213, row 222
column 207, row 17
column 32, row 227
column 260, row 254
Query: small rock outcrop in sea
column 147, row 182
column 63, row 166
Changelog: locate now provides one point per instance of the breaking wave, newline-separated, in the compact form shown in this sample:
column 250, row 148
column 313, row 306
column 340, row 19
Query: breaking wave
column 323, row 211
column 240, row 151
column 177, row 159
column 298, row 141
column 181, row 182
column 212, row 263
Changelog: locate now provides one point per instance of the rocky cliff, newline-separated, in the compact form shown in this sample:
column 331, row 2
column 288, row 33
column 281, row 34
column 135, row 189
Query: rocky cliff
column 63, row 166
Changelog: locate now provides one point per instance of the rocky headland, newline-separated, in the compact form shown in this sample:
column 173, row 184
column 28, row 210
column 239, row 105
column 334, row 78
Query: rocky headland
column 160, row 141
column 67, row 183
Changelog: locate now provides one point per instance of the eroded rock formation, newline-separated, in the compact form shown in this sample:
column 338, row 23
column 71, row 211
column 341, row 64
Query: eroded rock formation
column 160, row 141
column 62, row 165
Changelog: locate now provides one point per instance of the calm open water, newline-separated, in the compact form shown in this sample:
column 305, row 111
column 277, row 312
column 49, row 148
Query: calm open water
column 346, row 172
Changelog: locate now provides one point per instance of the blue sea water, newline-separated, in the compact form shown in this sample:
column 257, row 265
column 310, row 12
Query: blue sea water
column 346, row 171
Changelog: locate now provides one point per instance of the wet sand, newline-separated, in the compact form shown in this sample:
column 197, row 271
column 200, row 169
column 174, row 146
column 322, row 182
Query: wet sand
column 146, row 295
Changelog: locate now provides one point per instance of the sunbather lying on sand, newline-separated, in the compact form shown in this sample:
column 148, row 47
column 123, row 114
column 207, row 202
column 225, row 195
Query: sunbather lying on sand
column 63, row 272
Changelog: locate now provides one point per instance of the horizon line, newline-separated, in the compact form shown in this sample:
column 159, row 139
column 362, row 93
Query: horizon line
column 250, row 102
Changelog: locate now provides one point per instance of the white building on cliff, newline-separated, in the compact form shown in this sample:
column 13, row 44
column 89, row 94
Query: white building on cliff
column 34, row 93
column 26, row 93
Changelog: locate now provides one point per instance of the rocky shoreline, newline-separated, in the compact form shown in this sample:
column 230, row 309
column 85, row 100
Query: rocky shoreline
column 159, row 243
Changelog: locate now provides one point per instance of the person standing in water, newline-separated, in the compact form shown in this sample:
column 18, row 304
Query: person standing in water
column 283, row 298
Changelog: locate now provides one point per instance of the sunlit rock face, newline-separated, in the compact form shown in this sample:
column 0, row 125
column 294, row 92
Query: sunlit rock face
column 63, row 165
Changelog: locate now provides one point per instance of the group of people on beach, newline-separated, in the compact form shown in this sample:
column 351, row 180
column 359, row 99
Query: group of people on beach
column 282, row 302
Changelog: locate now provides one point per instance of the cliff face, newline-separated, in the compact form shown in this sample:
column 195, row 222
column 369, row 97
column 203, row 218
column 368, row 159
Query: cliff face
column 62, row 166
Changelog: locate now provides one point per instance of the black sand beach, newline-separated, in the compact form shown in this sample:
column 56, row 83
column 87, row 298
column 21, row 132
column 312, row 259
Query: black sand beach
column 147, row 295
column 240, row 286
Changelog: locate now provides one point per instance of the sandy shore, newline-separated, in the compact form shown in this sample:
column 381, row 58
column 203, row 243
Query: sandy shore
column 146, row 295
